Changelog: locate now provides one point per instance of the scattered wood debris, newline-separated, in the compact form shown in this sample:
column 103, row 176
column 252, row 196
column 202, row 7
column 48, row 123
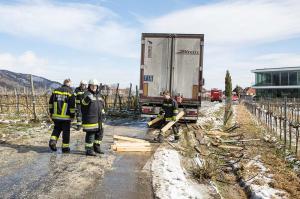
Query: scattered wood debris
column 128, row 144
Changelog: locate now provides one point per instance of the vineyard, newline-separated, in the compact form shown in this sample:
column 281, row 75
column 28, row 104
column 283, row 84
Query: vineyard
column 281, row 117
column 33, row 105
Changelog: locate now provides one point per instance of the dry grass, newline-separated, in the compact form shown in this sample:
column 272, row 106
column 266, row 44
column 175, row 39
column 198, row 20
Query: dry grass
column 284, row 178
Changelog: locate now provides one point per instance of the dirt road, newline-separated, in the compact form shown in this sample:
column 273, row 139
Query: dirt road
column 30, row 170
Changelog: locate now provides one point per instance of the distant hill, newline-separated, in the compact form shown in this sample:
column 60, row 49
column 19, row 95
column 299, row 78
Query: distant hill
column 11, row 80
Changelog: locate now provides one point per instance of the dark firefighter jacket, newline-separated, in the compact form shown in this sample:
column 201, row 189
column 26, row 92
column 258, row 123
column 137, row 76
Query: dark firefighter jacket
column 79, row 95
column 92, row 108
column 62, row 103
column 170, row 109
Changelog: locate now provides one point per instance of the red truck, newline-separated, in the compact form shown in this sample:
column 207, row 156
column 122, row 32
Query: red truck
column 216, row 95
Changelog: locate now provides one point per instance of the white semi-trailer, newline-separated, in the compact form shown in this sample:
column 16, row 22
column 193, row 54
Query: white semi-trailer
column 171, row 62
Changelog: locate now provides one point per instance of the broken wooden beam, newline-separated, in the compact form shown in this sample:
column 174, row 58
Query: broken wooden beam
column 171, row 123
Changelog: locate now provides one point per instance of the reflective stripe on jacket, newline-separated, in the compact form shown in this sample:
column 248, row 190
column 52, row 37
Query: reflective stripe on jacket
column 62, row 104
column 92, row 108
column 169, row 108
column 79, row 94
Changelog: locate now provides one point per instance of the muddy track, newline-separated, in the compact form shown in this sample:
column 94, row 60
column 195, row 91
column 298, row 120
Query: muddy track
column 30, row 170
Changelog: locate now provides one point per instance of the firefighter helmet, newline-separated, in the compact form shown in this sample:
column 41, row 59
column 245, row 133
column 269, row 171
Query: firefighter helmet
column 83, row 82
column 93, row 82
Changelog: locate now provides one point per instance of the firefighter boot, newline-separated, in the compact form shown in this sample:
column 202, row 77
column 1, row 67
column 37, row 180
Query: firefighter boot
column 160, row 138
column 52, row 145
column 90, row 152
column 66, row 150
column 97, row 148
column 176, row 139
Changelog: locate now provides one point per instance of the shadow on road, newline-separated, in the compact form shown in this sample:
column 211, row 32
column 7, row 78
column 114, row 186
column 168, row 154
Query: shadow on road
column 21, row 148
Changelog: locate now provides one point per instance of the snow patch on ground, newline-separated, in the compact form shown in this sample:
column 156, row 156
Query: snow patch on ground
column 262, row 190
column 208, row 114
column 169, row 179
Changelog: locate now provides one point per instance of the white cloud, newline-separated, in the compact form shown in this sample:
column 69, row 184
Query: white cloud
column 230, row 28
column 27, row 62
column 234, row 22
column 81, row 26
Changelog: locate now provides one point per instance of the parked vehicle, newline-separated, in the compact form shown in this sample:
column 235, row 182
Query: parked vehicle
column 171, row 62
column 216, row 95
column 234, row 97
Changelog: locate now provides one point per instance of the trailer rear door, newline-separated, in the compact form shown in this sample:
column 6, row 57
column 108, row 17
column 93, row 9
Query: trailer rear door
column 185, row 74
column 156, row 65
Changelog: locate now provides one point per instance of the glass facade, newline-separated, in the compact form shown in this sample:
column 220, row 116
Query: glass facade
column 278, row 78
column 277, row 93
column 283, row 78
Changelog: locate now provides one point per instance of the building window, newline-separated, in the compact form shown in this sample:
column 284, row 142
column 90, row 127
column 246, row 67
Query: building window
column 149, row 49
column 298, row 78
column 284, row 78
column 292, row 78
column 264, row 79
column 275, row 79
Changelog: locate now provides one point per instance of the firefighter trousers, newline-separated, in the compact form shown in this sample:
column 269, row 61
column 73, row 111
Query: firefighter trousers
column 93, row 137
column 175, row 128
column 62, row 126
column 78, row 115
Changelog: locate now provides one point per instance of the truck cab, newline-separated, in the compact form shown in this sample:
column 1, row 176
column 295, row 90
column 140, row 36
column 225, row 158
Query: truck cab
column 216, row 95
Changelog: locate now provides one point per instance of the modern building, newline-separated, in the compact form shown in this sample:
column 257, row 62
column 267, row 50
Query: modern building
column 277, row 82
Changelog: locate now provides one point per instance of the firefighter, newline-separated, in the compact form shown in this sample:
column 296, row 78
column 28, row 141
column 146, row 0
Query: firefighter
column 168, row 112
column 79, row 91
column 92, row 107
column 62, row 110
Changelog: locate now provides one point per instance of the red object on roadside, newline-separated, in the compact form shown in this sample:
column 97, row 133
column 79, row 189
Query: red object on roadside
column 235, row 97
column 216, row 95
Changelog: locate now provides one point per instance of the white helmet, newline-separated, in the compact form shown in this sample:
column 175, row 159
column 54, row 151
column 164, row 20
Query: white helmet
column 83, row 82
column 93, row 82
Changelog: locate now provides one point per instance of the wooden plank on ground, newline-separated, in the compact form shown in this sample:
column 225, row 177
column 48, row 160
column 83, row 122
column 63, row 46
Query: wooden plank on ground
column 216, row 133
column 234, row 141
column 119, row 137
column 222, row 134
column 230, row 147
column 170, row 124
column 132, row 144
column 134, row 149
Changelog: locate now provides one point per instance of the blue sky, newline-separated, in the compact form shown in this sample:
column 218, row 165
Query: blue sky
column 101, row 38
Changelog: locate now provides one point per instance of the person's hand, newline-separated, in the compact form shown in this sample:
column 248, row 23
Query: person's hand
column 174, row 118
column 160, row 116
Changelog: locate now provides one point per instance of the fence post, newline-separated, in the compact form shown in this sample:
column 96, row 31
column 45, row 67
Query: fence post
column 129, row 97
column 17, row 101
column 33, row 98
column 116, row 96
column 284, row 122
column 136, row 98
